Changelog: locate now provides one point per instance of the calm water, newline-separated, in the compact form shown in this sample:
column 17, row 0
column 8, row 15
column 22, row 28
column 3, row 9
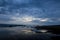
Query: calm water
column 23, row 33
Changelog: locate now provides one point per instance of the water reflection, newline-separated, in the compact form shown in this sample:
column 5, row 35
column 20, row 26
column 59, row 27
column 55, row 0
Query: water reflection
column 25, row 32
column 18, row 30
column 28, row 32
column 43, row 31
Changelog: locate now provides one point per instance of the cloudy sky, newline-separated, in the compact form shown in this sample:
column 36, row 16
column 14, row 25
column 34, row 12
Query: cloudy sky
column 33, row 12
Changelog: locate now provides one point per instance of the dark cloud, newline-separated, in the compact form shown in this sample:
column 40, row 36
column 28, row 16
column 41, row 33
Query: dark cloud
column 35, row 8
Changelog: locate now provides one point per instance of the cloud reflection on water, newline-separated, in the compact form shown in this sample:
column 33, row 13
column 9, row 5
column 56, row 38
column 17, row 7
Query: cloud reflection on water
column 22, row 32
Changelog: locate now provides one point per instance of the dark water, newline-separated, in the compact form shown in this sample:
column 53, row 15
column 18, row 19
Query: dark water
column 23, row 33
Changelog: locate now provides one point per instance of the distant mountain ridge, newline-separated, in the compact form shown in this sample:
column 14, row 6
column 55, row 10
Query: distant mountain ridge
column 10, row 25
column 14, row 25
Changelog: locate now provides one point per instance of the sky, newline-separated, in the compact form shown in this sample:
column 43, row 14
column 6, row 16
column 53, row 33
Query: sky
column 30, row 12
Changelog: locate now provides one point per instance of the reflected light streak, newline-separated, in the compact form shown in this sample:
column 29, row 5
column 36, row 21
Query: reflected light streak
column 43, row 31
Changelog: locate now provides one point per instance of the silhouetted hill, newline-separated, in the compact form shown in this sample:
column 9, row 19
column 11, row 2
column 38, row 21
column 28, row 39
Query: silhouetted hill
column 10, row 25
column 48, row 27
column 54, row 28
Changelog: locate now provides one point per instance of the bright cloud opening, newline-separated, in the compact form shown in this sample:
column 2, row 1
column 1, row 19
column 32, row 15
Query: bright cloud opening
column 27, row 19
column 44, row 20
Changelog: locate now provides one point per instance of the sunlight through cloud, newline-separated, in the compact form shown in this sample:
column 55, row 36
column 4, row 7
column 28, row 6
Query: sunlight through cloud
column 27, row 19
column 44, row 20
